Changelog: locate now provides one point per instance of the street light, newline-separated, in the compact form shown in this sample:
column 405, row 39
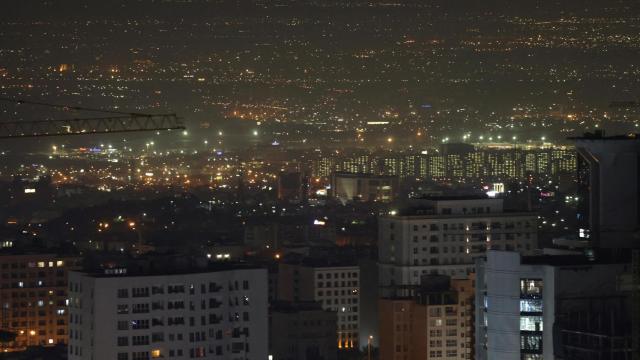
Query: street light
column 369, row 339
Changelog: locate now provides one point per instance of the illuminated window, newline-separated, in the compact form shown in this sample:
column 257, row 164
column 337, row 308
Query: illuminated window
column 155, row 353
column 531, row 305
column 531, row 323
column 531, row 343
column 530, row 288
column 59, row 263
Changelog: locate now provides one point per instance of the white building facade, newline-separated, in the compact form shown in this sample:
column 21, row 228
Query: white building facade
column 514, row 308
column 446, row 235
column 211, row 315
column 551, row 307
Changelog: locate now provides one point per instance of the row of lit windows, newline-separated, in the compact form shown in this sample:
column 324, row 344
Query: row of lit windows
column 33, row 264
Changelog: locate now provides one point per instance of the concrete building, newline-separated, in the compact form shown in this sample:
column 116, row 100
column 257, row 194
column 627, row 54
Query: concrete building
column 347, row 187
column 302, row 331
column 333, row 284
column 435, row 323
column 33, row 298
column 217, row 312
column 609, row 189
column 551, row 307
column 443, row 235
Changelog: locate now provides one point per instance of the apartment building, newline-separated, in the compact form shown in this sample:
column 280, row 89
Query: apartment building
column 217, row 312
column 436, row 322
column 333, row 284
column 33, row 298
column 443, row 235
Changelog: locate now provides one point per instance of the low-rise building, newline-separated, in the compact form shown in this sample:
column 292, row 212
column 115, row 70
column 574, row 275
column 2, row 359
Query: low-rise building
column 302, row 331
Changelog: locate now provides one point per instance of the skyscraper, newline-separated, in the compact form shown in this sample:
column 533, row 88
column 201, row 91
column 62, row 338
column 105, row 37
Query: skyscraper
column 609, row 189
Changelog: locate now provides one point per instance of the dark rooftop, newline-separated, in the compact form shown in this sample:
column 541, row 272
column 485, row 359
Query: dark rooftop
column 156, row 265
column 600, row 135
column 599, row 257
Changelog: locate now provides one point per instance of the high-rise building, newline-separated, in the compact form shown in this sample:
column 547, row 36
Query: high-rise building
column 333, row 284
column 436, row 322
column 443, row 235
column 33, row 298
column 219, row 311
column 302, row 331
column 609, row 189
column 551, row 307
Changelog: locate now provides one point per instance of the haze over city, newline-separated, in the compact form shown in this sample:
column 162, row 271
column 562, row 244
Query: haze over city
column 319, row 179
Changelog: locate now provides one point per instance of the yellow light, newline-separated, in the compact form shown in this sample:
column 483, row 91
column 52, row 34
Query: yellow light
column 277, row 256
column 50, row 341
column 389, row 139
column 132, row 224
column 32, row 332
column 155, row 353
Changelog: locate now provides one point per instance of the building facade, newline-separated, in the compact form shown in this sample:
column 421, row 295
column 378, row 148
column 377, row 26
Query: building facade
column 302, row 331
column 335, row 286
column 347, row 187
column 33, row 296
column 218, row 314
column 548, row 307
column 435, row 323
column 440, row 235
column 609, row 190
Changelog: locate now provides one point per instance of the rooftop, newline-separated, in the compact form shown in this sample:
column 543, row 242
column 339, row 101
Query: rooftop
column 158, row 265
column 600, row 135
column 602, row 256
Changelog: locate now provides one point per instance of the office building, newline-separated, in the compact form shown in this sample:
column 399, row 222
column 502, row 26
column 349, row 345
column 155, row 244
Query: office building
column 216, row 311
column 302, row 331
column 443, row 235
column 33, row 296
column 436, row 322
column 551, row 307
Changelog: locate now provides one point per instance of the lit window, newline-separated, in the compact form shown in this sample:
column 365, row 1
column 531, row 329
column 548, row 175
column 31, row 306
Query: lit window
column 41, row 264
column 155, row 353
column 531, row 323
column 59, row 263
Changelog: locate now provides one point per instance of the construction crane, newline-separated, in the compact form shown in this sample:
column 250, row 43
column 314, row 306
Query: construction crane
column 116, row 123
